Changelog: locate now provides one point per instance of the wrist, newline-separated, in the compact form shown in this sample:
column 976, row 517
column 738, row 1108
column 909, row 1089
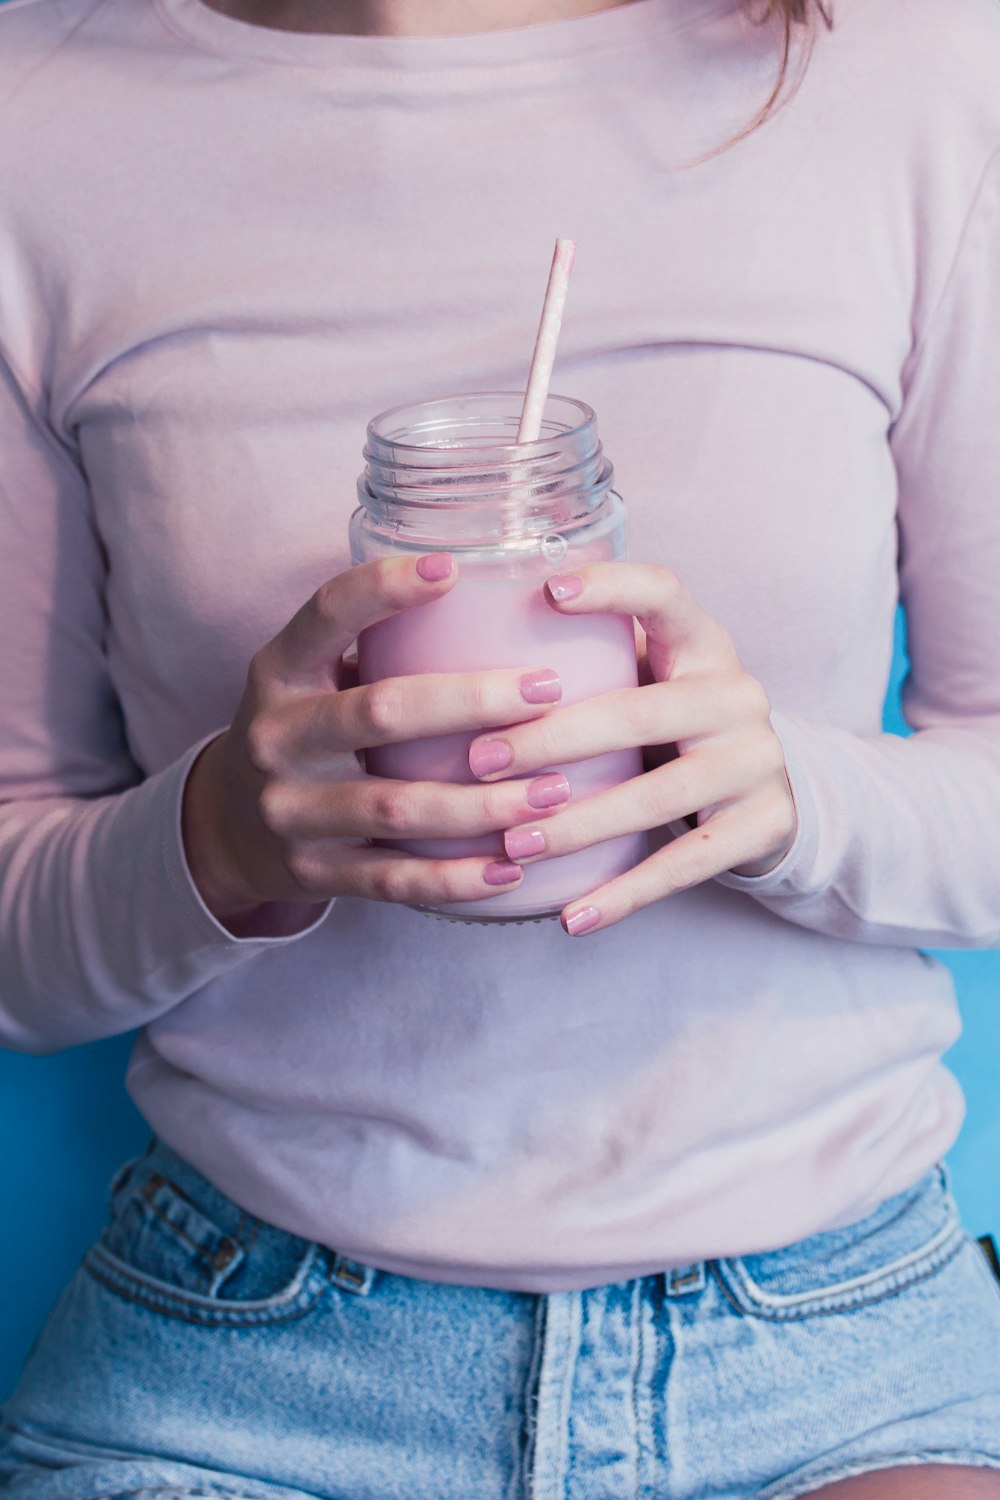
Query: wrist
column 214, row 872
column 767, row 863
column 770, row 861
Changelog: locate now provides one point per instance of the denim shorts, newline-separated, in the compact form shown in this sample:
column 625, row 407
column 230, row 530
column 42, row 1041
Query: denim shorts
column 199, row 1352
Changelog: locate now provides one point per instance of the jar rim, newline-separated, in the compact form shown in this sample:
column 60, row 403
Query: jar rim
column 586, row 417
column 452, row 466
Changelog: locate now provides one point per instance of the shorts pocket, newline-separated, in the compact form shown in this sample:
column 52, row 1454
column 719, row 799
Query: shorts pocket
column 176, row 1245
column 907, row 1239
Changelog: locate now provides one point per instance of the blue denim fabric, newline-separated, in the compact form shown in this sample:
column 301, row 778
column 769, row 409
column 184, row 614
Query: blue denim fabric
column 199, row 1352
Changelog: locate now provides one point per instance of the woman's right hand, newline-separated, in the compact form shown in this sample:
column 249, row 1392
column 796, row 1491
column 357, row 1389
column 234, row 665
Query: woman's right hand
column 278, row 810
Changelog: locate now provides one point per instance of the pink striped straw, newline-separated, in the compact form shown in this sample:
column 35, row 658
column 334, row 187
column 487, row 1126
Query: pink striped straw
column 530, row 425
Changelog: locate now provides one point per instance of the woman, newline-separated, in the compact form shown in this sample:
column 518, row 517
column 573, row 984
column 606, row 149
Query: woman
column 648, row 1202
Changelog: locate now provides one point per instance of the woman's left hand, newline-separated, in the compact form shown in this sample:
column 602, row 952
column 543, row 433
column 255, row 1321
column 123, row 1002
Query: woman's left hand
column 704, row 723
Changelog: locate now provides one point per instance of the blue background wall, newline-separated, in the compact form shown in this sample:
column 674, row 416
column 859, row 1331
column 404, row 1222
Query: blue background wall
column 66, row 1123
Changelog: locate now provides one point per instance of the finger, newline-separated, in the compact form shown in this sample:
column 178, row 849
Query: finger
column 386, row 875
column 697, row 780
column 380, row 808
column 677, row 628
column 316, row 637
column 397, row 709
column 659, row 713
column 727, row 840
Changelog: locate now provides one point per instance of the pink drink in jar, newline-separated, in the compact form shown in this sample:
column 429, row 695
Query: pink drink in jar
column 448, row 475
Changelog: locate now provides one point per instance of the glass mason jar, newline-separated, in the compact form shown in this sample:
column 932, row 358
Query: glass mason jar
column 449, row 475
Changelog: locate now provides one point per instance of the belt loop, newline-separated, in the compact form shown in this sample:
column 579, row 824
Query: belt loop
column 684, row 1281
column 350, row 1276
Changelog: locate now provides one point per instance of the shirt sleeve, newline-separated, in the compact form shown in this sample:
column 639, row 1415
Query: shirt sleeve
column 101, row 926
column 898, row 837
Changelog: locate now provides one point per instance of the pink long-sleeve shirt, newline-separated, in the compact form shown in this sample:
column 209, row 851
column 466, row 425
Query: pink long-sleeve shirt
column 223, row 248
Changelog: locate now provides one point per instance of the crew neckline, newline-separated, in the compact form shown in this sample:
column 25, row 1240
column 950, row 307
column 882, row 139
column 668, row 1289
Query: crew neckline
column 548, row 42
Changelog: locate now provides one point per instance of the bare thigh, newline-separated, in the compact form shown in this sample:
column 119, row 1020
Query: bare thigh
column 926, row 1482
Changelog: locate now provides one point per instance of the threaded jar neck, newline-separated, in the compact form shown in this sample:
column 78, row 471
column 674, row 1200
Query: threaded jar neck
column 451, row 472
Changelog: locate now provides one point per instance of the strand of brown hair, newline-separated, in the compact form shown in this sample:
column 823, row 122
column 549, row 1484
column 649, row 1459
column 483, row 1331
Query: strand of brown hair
column 791, row 13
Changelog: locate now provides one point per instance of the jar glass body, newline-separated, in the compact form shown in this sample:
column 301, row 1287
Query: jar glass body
column 449, row 475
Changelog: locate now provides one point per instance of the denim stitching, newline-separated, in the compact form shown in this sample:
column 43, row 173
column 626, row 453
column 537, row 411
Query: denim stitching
column 223, row 1318
column 129, row 1284
column 246, row 1231
column 529, row 1421
column 870, row 1278
column 639, row 1324
column 247, row 1224
column 206, row 1492
column 115, row 1267
column 79, row 1456
column 180, row 1233
column 846, row 1305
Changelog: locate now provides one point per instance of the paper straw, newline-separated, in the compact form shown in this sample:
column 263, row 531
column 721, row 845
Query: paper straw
column 530, row 425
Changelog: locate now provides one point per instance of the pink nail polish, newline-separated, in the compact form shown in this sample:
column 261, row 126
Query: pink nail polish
column 434, row 567
column 582, row 921
column 524, row 843
column 489, row 756
column 548, row 791
column 501, row 873
column 541, row 687
column 564, row 586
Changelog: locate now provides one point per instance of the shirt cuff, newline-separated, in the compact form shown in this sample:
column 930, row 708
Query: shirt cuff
column 191, row 908
column 792, row 875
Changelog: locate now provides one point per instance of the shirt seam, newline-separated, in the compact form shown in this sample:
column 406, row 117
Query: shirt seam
column 405, row 79
column 924, row 340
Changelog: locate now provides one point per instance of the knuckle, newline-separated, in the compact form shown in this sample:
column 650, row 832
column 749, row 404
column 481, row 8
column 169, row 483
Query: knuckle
column 302, row 869
column 773, row 757
column 630, row 904
column 492, row 807
column 261, row 742
column 670, row 581
column 642, row 714
column 686, row 867
column 726, row 647
column 326, row 602
column 477, row 696
column 392, row 810
column 389, row 583
column 450, row 882
column 752, row 697
column 259, row 674
column 542, row 747
column 390, row 881
column 678, row 791
column 382, row 708
column 274, row 809
column 777, row 820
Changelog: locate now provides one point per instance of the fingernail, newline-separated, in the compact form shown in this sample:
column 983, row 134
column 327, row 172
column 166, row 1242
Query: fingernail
column 489, row 756
column 434, row 566
column 522, row 843
column 541, row 687
column 501, row 873
column 548, row 791
column 582, row 920
column 565, row 586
